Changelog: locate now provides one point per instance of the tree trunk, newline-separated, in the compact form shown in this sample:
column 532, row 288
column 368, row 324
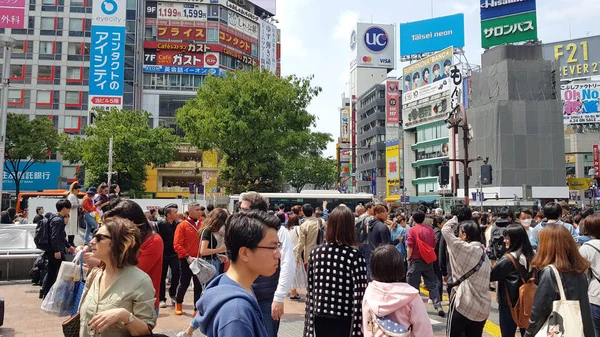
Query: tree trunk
column 17, row 189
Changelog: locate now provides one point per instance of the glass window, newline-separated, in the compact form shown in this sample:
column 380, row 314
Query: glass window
column 72, row 97
column 19, row 47
column 76, row 3
column 212, row 35
column 16, row 70
column 46, row 47
column 48, row 2
column 72, row 122
column 45, row 72
column 213, row 11
column 76, row 25
column 14, row 95
column 73, row 73
column 74, row 48
column 47, row 24
column 43, row 97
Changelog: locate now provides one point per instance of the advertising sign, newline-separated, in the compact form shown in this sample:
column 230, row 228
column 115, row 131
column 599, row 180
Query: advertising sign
column 181, row 33
column 432, row 35
column 268, row 46
column 185, row 58
column 233, row 41
column 579, row 183
column 182, row 70
column 151, row 9
column 268, row 5
column 570, row 159
column 233, row 7
column 392, row 98
column 107, row 54
column 181, row 11
column 509, row 29
column 345, row 125
column 441, row 88
column 596, row 160
column 435, row 109
column 40, row 176
column 580, row 102
column 491, row 9
column 429, row 70
column 242, row 25
column 393, row 168
column 577, row 58
column 150, row 47
column 374, row 46
column 456, row 86
column 12, row 14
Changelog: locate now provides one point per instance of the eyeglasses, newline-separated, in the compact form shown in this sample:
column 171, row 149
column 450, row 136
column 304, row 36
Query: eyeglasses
column 274, row 249
column 99, row 237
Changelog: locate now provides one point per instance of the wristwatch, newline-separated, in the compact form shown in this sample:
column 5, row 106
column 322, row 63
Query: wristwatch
column 129, row 320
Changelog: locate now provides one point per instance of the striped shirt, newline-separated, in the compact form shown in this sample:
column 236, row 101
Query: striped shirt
column 472, row 298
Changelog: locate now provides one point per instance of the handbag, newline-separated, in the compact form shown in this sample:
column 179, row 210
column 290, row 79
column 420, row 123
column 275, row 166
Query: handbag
column 386, row 327
column 201, row 268
column 565, row 319
column 61, row 296
column 72, row 325
column 79, row 287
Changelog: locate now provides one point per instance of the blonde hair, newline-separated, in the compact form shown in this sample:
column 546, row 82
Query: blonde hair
column 74, row 186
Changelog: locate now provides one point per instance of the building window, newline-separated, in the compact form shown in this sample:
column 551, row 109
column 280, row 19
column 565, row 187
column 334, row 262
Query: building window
column 73, row 74
column 45, row 73
column 76, row 27
column 46, row 48
column 15, row 96
column 17, row 72
column 71, row 123
column 47, row 24
column 212, row 35
column 73, row 98
column 44, row 97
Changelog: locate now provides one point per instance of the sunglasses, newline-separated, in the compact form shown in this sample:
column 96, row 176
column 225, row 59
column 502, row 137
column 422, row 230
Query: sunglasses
column 99, row 237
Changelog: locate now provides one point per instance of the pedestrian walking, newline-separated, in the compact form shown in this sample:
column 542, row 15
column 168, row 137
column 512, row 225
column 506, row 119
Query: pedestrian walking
column 333, row 309
column 209, row 246
column 166, row 230
column 73, row 225
column 89, row 214
column 308, row 234
column 591, row 252
column 552, row 212
column 299, row 281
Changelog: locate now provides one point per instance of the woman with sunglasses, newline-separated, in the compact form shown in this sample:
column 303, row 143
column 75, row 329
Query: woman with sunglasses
column 119, row 297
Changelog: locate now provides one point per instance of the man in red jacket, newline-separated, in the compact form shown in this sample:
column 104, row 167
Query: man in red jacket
column 186, row 244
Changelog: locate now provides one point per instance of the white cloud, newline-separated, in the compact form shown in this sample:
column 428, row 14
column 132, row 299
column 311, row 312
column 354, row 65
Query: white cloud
column 346, row 23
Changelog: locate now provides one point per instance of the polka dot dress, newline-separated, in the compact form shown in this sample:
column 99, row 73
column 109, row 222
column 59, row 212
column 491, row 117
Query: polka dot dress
column 337, row 279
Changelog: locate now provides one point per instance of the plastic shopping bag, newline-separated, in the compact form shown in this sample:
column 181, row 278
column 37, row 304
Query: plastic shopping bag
column 60, row 299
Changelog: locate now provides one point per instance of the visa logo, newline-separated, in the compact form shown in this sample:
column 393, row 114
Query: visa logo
column 385, row 61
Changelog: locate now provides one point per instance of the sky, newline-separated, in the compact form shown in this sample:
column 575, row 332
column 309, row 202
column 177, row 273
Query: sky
column 315, row 38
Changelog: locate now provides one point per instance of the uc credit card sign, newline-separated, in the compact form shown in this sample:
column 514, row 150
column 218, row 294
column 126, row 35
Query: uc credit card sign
column 107, row 58
column 491, row 9
column 432, row 35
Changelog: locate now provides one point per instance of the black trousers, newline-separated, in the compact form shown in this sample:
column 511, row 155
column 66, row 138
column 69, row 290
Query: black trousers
column 53, row 268
column 173, row 262
column 184, row 283
column 326, row 327
column 458, row 325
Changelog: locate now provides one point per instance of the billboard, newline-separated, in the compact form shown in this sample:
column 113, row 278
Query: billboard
column 152, row 47
column 576, row 58
column 181, row 33
column 509, row 29
column 393, row 168
column 427, row 71
column 40, row 176
column 242, row 25
column 181, row 11
column 12, row 14
column 456, row 86
column 434, row 109
column 441, row 87
column 268, row 46
column 268, row 5
column 186, row 70
column 491, row 9
column 235, row 42
column 374, row 46
column 596, row 150
column 107, row 55
column 432, row 35
column 580, row 102
column 345, row 125
column 392, row 99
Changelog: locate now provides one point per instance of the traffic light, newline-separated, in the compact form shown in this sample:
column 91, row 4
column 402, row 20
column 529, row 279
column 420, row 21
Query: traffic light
column 444, row 175
column 486, row 174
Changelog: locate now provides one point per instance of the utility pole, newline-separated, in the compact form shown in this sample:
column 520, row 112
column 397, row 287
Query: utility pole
column 458, row 115
column 7, row 43
column 110, row 160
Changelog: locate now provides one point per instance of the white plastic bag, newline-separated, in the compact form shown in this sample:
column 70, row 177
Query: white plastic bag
column 60, row 299
column 300, row 278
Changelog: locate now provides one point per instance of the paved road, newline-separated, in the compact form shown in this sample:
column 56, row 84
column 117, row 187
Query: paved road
column 24, row 318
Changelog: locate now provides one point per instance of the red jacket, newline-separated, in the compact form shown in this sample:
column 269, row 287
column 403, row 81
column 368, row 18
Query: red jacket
column 186, row 241
column 150, row 262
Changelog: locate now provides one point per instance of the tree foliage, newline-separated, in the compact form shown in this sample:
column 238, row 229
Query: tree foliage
column 27, row 142
column 258, row 121
column 310, row 169
column 135, row 145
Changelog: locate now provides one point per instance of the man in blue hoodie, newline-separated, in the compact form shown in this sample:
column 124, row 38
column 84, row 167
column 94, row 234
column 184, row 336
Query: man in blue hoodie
column 228, row 306
column 552, row 212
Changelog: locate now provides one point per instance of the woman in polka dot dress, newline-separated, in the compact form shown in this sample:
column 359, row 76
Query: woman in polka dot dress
column 337, row 279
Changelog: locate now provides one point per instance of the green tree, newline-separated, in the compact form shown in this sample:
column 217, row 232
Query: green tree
column 310, row 169
column 135, row 145
column 258, row 121
column 27, row 142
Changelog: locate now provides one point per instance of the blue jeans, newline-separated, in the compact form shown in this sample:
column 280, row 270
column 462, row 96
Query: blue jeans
column 508, row 327
column 217, row 265
column 90, row 225
column 271, row 324
column 595, row 311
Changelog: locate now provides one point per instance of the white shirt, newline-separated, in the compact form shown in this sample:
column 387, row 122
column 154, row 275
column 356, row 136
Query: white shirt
column 288, row 265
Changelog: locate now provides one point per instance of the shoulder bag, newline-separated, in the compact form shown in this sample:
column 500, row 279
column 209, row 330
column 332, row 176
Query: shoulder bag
column 203, row 270
column 469, row 273
column 72, row 325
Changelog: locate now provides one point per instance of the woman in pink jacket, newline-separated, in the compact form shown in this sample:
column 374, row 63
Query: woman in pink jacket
column 391, row 299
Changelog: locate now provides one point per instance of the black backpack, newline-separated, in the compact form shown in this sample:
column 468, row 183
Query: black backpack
column 497, row 247
column 321, row 234
column 362, row 235
column 43, row 234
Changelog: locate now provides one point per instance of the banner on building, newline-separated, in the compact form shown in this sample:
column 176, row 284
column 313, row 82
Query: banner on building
column 156, row 69
column 181, row 11
column 491, row 9
column 39, row 177
column 427, row 71
column 392, row 98
column 180, row 33
column 107, row 55
column 434, row 110
column 345, row 125
column 456, row 86
column 509, row 29
column 576, row 58
column 580, row 102
column 393, row 168
column 596, row 160
column 243, row 25
column 441, row 88
column 579, row 183
column 268, row 46
column 12, row 14
column 432, row 35
column 374, row 46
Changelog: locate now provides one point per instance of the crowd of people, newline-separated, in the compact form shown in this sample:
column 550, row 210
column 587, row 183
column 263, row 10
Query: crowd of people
column 362, row 269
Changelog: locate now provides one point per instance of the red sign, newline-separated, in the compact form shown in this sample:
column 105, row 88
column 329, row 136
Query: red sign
column 12, row 14
column 200, row 48
column 100, row 100
column 179, row 58
column 211, row 60
column 235, row 42
column 181, row 33
column 596, row 161
column 392, row 98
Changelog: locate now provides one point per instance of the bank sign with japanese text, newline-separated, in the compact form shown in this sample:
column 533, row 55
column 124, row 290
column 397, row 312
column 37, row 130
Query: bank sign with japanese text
column 580, row 102
column 12, row 14
column 509, row 29
column 576, row 58
column 107, row 54
column 38, row 177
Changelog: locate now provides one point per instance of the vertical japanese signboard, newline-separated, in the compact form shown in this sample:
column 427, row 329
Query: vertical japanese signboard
column 507, row 21
column 107, row 54
column 12, row 14
column 268, row 46
column 596, row 161
column 392, row 97
column 456, row 86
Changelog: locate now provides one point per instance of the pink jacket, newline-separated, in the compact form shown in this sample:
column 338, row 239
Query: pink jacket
column 401, row 302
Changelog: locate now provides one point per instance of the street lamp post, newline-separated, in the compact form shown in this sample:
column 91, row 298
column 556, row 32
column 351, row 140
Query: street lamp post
column 7, row 43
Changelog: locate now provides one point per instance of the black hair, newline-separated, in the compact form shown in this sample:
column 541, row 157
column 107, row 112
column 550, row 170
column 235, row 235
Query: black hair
column 112, row 188
column 38, row 209
column 60, row 205
column 503, row 213
column 519, row 242
column 437, row 221
column 257, row 202
column 210, row 208
column 552, row 211
column 472, row 230
column 462, row 212
column 307, row 209
column 424, row 71
column 416, row 76
column 282, row 207
column 369, row 205
column 587, row 212
column 407, row 78
column 281, row 217
column 447, row 63
column 247, row 229
column 130, row 210
column 387, row 265
column 526, row 211
column 419, row 217
column 436, row 67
